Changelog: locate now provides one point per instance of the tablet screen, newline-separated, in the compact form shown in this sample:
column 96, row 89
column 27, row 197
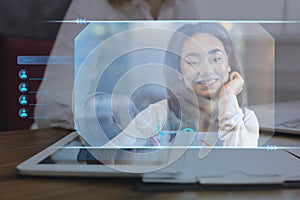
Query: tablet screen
column 75, row 152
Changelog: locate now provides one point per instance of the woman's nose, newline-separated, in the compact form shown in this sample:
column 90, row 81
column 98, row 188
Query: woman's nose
column 205, row 67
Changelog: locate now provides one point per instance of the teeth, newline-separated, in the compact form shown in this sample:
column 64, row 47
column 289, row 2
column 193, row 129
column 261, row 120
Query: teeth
column 210, row 82
column 207, row 82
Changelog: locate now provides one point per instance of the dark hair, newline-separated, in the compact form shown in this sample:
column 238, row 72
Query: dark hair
column 173, row 56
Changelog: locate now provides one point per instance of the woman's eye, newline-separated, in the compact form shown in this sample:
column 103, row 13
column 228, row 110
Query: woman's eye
column 193, row 63
column 217, row 59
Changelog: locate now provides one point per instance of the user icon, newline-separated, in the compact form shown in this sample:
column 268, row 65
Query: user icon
column 23, row 74
column 23, row 87
column 23, row 113
column 23, row 100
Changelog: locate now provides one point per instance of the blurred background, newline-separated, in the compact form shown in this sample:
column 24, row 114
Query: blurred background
column 23, row 31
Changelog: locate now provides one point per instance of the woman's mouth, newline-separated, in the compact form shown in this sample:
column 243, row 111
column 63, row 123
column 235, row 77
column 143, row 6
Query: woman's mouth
column 207, row 82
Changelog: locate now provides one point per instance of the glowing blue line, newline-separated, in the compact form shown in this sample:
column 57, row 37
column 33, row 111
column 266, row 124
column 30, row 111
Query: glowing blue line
column 37, row 79
column 176, row 147
column 172, row 21
column 36, row 92
column 38, row 117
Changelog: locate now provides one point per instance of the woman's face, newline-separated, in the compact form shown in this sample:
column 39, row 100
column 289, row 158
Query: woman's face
column 204, row 64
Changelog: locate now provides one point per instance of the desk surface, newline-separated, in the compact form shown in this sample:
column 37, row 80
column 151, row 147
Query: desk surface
column 17, row 146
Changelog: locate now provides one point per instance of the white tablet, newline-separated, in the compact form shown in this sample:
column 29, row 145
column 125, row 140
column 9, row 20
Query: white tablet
column 69, row 157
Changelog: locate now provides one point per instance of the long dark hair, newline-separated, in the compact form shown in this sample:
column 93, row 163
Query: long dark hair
column 173, row 57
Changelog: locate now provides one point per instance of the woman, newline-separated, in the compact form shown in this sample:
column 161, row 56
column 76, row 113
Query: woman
column 205, row 60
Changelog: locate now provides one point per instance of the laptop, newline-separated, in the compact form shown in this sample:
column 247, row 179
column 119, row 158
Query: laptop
column 285, row 120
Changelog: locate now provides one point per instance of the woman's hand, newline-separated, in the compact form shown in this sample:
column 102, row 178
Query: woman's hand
column 234, row 85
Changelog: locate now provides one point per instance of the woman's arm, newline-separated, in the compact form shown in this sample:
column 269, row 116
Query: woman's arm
column 142, row 127
column 237, row 127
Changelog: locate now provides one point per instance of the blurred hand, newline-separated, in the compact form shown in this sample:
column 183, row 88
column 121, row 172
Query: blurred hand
column 114, row 113
column 234, row 85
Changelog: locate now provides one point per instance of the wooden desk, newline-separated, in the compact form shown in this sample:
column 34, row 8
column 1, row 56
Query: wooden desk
column 17, row 146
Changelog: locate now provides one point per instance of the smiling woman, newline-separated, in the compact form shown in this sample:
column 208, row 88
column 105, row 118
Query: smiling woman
column 209, row 66
column 207, row 94
column 203, row 49
column 205, row 66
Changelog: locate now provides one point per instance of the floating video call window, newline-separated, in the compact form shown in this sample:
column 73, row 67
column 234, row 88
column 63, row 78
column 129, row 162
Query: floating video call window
column 172, row 84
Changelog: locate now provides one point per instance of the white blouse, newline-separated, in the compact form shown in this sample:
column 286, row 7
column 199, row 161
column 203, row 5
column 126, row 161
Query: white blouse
column 236, row 127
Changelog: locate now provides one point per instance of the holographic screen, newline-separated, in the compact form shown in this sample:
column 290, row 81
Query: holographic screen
column 124, row 89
